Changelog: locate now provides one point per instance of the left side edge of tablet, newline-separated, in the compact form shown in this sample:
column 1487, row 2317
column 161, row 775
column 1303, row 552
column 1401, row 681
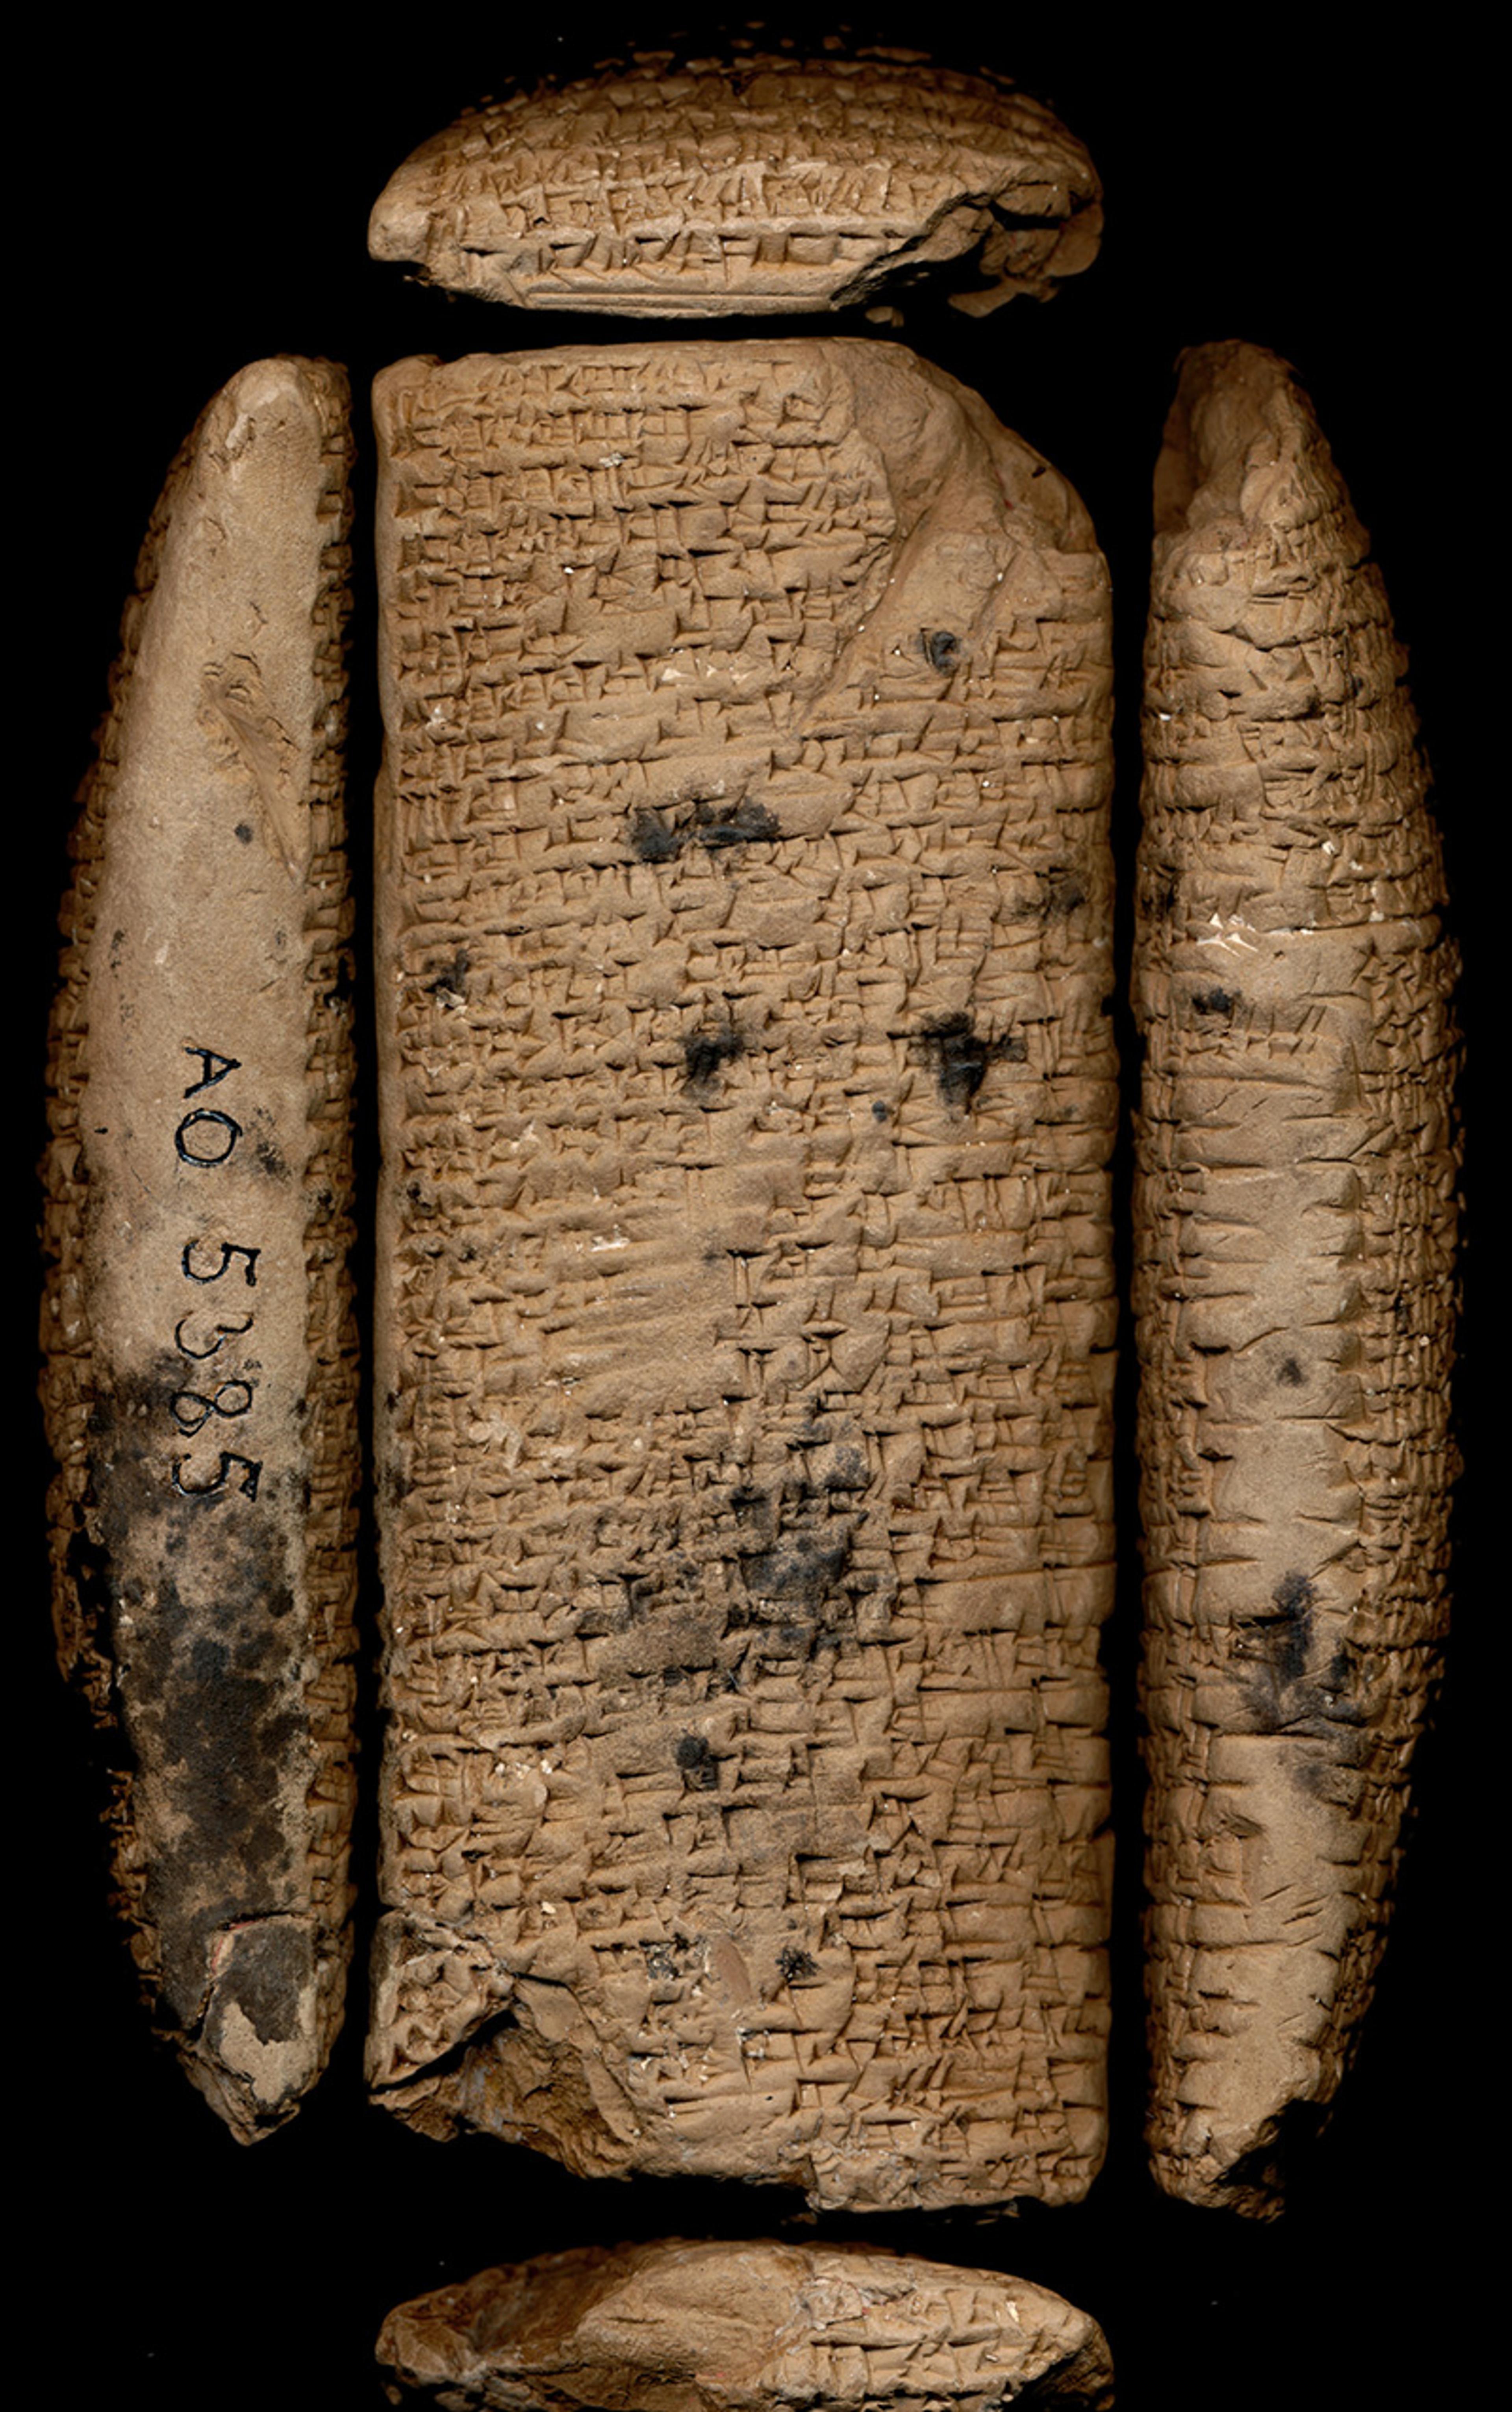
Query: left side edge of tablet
column 200, row 1334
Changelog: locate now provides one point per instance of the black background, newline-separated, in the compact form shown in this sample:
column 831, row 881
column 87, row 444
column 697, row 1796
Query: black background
column 188, row 201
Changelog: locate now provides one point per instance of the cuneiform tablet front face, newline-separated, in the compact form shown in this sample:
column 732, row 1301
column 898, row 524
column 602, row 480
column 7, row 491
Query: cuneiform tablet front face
column 1294, row 1272
column 744, row 1290
column 201, row 1377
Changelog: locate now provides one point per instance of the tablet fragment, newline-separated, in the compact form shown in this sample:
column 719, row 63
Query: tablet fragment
column 744, row 1287
column 202, row 1357
column 688, row 187
column 744, row 2328
column 1294, row 1273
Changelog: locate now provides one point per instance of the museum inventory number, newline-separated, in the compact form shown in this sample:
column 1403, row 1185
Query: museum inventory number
column 212, row 1397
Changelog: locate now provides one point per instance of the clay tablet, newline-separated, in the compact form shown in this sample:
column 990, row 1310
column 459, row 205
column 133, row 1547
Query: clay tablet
column 674, row 189
column 746, row 2328
column 1294, row 1272
column 201, row 1354
column 744, row 1285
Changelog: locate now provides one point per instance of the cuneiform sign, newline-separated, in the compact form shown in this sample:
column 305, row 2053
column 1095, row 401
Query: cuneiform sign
column 744, row 2328
column 1295, row 1225
column 200, row 1350
column 744, row 1285
column 670, row 188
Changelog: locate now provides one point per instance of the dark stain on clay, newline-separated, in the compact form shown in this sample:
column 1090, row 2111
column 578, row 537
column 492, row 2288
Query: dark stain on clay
column 661, row 837
column 267, row 1978
column 1289, row 1373
column 226, row 1724
column 668, row 1957
column 1271, row 1648
column 654, row 839
column 796, row 1548
column 642, row 1597
column 1281, row 1645
column 271, row 1157
column 1279, row 1637
column 342, row 990
column 942, row 649
column 793, row 1963
column 393, row 1484
column 1213, row 1000
column 847, row 1471
column 450, row 985
column 700, row 1768
column 1063, row 889
column 242, row 832
column 211, row 1712
column 1341, row 1689
column 1165, row 893
column 87, row 1569
column 801, row 1571
column 700, row 1680
column 959, row 1056
column 705, row 1053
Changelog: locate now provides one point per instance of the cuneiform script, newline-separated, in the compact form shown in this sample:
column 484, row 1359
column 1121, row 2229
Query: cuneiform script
column 673, row 189
column 744, row 1290
column 1295, row 1226
column 200, row 1385
column 746, row 2327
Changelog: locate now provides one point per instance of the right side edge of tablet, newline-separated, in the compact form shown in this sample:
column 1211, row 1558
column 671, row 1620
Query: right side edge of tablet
column 1296, row 1161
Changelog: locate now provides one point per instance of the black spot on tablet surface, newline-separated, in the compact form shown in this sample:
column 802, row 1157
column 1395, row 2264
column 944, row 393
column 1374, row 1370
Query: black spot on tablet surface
column 705, row 1053
column 959, row 1056
column 700, row 1768
column 942, row 649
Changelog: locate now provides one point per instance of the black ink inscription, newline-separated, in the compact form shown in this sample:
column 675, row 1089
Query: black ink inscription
column 218, row 1488
column 228, row 1249
column 215, row 1067
column 191, row 1409
column 206, row 1137
column 224, row 1331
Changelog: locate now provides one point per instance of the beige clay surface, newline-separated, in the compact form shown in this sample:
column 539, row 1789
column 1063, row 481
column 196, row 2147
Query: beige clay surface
column 200, row 1345
column 674, row 189
column 744, row 1296
column 1295, row 1226
column 744, row 2328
